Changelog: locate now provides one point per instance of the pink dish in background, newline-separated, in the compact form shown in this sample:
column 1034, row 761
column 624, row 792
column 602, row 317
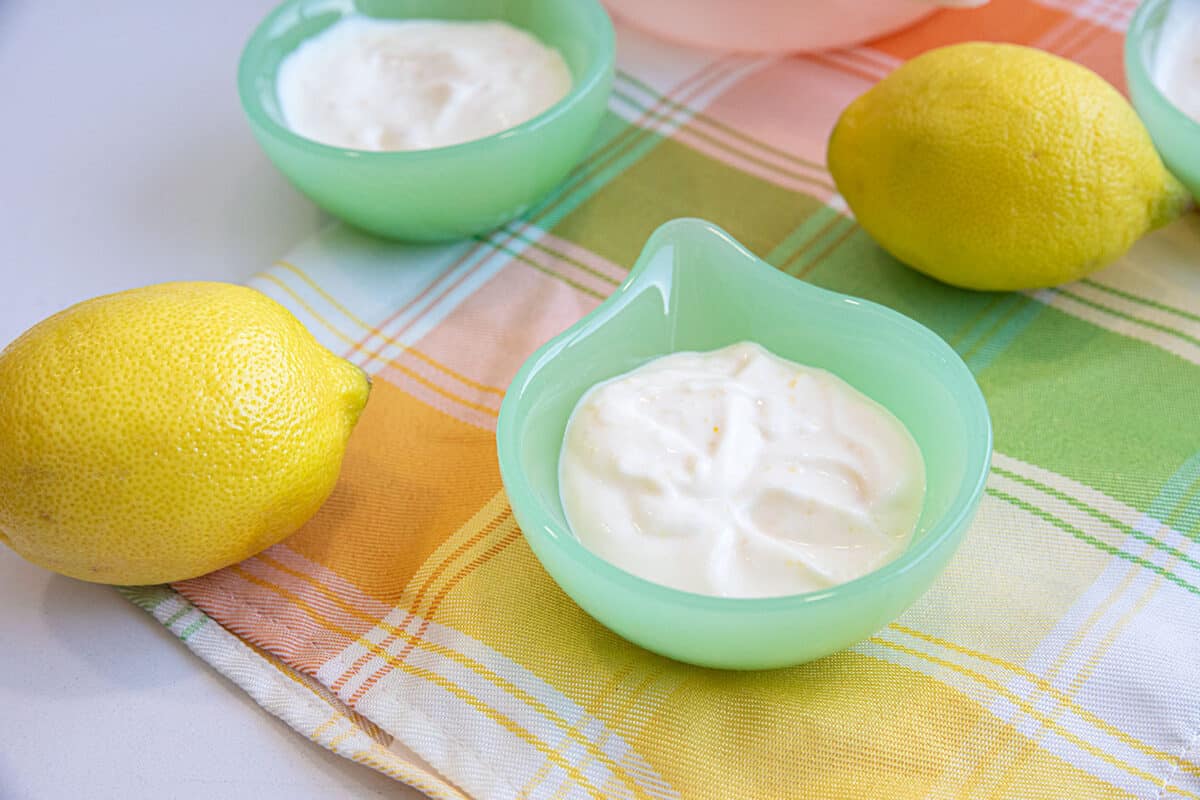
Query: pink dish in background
column 766, row 26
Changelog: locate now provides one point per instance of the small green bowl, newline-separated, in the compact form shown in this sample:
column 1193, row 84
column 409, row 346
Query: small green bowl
column 446, row 192
column 1175, row 134
column 695, row 288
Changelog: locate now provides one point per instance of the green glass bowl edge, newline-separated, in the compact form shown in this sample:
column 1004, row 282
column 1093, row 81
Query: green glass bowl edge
column 600, row 71
column 1165, row 122
column 948, row 529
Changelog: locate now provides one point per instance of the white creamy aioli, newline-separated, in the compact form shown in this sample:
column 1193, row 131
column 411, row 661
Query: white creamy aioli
column 739, row 474
column 1176, row 67
column 372, row 84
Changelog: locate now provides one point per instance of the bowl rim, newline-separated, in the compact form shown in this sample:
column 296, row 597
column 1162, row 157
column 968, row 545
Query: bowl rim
column 1137, row 74
column 962, row 507
column 595, row 76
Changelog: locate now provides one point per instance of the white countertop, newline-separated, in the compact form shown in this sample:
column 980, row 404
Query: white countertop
column 124, row 160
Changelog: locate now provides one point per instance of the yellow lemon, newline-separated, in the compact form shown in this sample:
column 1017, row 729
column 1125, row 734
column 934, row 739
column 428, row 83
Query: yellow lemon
column 160, row 433
column 994, row 166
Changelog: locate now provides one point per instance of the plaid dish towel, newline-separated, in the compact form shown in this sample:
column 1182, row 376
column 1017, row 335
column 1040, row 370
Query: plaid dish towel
column 409, row 627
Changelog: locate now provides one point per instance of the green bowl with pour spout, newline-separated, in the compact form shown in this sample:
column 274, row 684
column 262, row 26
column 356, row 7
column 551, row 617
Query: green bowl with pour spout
column 695, row 288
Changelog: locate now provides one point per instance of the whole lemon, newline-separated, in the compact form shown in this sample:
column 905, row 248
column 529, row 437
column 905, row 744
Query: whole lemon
column 160, row 433
column 994, row 166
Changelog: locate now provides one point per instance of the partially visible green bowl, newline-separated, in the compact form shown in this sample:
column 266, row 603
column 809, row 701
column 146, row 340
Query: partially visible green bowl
column 447, row 192
column 695, row 288
column 1175, row 134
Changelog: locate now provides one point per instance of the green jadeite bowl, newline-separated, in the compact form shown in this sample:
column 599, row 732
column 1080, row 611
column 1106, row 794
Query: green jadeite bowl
column 447, row 192
column 695, row 288
column 1175, row 134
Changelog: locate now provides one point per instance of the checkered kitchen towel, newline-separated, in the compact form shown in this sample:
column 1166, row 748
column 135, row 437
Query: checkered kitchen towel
column 409, row 627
